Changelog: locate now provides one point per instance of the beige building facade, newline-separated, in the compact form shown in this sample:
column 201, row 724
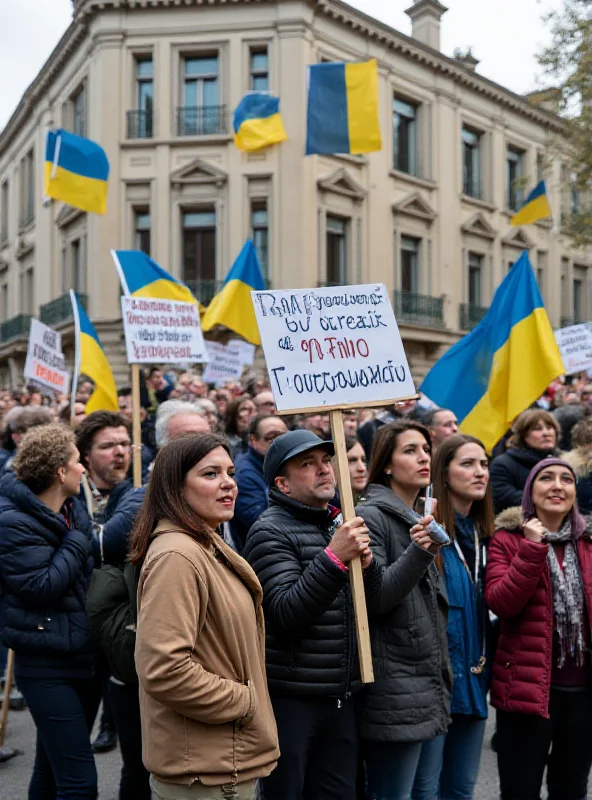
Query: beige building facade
column 156, row 81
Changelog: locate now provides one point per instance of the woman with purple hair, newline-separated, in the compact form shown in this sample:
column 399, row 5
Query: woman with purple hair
column 539, row 583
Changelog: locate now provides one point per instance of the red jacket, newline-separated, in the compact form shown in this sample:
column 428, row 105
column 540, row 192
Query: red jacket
column 518, row 590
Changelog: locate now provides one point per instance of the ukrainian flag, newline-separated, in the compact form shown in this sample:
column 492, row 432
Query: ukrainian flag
column 233, row 306
column 76, row 171
column 343, row 108
column 258, row 122
column 536, row 206
column 503, row 365
column 92, row 361
column 140, row 276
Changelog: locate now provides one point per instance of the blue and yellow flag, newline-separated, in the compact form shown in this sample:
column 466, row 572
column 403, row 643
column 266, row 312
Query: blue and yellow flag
column 92, row 361
column 233, row 305
column 257, row 122
column 140, row 276
column 76, row 171
column 343, row 108
column 501, row 367
column 535, row 207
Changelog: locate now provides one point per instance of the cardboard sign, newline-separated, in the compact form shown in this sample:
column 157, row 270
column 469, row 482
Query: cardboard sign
column 225, row 363
column 575, row 345
column 162, row 332
column 45, row 362
column 332, row 347
column 246, row 351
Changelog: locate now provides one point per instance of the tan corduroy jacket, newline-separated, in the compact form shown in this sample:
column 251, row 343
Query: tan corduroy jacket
column 200, row 656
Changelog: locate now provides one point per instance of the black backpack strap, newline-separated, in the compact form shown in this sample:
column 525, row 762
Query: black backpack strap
column 131, row 574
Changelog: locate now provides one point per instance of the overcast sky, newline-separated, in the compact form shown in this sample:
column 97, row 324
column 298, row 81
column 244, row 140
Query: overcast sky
column 504, row 34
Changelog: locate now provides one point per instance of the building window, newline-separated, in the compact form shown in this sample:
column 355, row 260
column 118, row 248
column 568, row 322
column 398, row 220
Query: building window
column 27, row 292
column 540, row 271
column 4, row 302
column 260, row 233
column 200, row 113
column 259, row 69
column 540, row 166
column 575, row 200
column 475, row 277
column 405, row 136
column 471, row 144
column 140, row 120
column 4, row 212
column 142, row 231
column 514, row 192
column 199, row 250
column 578, row 295
column 27, row 189
column 78, row 111
column 409, row 264
column 336, row 251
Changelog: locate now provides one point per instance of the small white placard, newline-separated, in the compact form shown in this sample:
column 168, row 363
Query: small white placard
column 246, row 350
column 225, row 363
column 334, row 346
column 162, row 332
column 575, row 345
column 45, row 362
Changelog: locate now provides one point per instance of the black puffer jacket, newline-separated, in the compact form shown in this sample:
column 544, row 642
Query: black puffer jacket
column 409, row 700
column 310, row 645
column 509, row 473
column 45, row 569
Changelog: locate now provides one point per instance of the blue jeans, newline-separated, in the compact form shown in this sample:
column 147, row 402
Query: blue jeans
column 461, row 758
column 402, row 770
column 63, row 710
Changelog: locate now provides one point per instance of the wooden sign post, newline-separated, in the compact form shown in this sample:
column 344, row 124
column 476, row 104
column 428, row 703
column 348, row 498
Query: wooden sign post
column 136, row 427
column 329, row 350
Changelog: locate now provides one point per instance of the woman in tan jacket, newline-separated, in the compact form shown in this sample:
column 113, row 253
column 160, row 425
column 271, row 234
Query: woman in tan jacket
column 208, row 729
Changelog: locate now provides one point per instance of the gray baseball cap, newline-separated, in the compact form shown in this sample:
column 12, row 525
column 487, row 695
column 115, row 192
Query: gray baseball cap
column 289, row 445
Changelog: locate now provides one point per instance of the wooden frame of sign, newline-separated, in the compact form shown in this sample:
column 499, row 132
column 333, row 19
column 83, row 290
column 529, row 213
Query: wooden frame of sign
column 328, row 350
column 349, row 512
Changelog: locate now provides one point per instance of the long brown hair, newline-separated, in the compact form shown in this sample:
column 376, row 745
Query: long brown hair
column 164, row 495
column 385, row 444
column 481, row 510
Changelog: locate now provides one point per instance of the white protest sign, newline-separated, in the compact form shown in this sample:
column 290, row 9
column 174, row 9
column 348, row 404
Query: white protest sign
column 45, row 362
column 575, row 345
column 162, row 332
column 225, row 363
column 335, row 346
column 246, row 350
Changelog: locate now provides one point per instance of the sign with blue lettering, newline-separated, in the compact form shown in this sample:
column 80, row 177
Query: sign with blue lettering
column 332, row 347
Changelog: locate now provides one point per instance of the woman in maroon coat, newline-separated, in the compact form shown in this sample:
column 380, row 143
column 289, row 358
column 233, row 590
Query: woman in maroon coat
column 539, row 583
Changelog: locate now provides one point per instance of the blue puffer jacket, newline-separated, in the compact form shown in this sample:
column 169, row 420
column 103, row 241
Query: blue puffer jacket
column 115, row 522
column 45, row 569
column 467, row 622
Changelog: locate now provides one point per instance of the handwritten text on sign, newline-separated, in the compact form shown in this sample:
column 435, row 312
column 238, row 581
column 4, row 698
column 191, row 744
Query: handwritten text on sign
column 575, row 345
column 45, row 362
column 226, row 363
column 162, row 332
column 334, row 346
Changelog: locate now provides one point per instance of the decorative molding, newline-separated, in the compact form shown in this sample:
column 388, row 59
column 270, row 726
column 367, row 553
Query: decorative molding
column 414, row 205
column 67, row 215
column 23, row 246
column 341, row 182
column 518, row 238
column 198, row 171
column 478, row 225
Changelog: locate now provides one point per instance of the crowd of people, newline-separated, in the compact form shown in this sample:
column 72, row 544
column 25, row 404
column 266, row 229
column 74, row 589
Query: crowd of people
column 207, row 616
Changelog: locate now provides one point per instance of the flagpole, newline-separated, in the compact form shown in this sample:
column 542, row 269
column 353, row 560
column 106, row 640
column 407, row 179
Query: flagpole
column 77, row 355
column 56, row 157
column 135, row 368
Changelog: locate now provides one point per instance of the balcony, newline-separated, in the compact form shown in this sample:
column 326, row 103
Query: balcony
column 204, row 290
column 15, row 328
column 327, row 284
column 139, row 124
column 471, row 315
column 419, row 309
column 60, row 309
column 202, row 120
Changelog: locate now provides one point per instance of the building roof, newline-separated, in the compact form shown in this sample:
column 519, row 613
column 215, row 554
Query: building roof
column 337, row 10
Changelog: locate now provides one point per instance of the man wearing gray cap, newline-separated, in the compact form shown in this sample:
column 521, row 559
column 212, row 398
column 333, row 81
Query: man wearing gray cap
column 300, row 550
